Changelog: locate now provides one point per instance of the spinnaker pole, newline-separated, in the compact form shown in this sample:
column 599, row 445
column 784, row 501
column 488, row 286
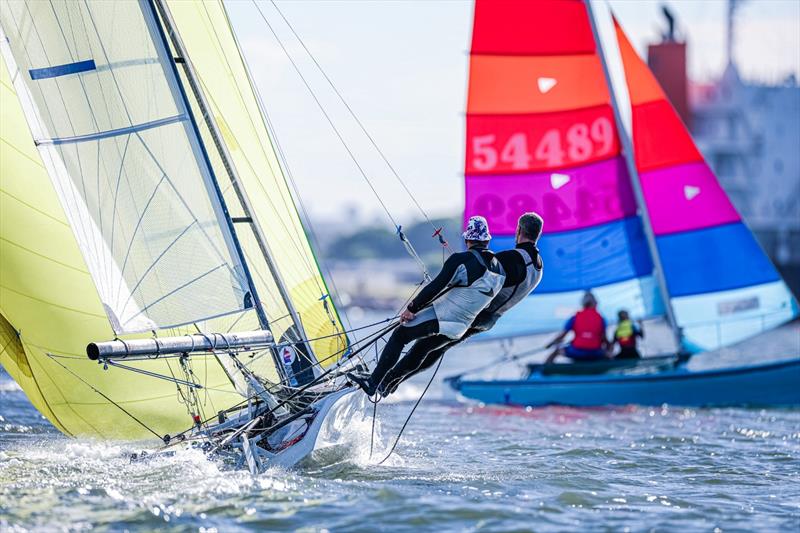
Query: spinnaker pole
column 627, row 146
column 230, row 169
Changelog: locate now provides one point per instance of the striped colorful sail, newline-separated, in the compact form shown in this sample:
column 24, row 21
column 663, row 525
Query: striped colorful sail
column 541, row 136
column 722, row 286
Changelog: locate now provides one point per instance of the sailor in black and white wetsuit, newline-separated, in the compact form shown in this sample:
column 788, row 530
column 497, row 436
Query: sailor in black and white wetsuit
column 467, row 283
column 523, row 267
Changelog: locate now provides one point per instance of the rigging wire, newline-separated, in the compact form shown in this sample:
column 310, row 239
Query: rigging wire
column 437, row 231
column 410, row 414
column 339, row 135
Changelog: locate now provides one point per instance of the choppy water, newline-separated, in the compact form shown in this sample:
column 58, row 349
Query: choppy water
column 458, row 467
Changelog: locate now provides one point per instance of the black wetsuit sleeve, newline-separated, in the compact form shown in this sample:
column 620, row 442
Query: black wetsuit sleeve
column 438, row 284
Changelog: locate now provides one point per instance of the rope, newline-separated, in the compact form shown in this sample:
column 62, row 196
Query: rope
column 410, row 414
column 115, row 404
column 438, row 231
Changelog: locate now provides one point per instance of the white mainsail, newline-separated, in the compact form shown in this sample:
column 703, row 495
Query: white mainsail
column 111, row 125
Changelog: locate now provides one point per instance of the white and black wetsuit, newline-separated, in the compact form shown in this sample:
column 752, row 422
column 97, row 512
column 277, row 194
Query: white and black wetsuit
column 467, row 283
column 523, row 273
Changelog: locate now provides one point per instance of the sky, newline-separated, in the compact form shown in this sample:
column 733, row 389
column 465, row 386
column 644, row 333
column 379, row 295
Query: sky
column 402, row 67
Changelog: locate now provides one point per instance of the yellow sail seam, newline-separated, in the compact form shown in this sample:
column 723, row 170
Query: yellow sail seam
column 29, row 206
column 51, row 303
column 23, row 154
column 44, row 256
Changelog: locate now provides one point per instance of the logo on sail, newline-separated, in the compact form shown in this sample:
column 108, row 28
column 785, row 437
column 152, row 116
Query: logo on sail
column 545, row 84
column 558, row 180
column 690, row 191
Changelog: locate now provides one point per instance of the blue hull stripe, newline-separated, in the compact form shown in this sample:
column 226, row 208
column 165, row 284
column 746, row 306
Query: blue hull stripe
column 713, row 259
column 62, row 70
column 767, row 384
column 590, row 257
column 112, row 133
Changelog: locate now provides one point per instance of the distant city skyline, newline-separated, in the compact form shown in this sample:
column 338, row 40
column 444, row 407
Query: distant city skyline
column 403, row 65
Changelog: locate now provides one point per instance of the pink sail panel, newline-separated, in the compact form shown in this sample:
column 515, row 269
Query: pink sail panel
column 685, row 197
column 498, row 144
column 514, row 27
column 568, row 199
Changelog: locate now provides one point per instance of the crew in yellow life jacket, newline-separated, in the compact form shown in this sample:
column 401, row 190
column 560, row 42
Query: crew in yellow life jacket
column 625, row 335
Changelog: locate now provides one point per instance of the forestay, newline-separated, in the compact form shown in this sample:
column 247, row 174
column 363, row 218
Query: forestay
column 114, row 132
column 722, row 286
column 541, row 136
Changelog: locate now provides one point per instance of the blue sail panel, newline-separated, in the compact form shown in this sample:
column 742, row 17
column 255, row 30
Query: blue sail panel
column 540, row 313
column 713, row 259
column 713, row 320
column 591, row 257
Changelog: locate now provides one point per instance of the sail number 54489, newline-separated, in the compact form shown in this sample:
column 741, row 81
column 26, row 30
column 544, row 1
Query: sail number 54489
column 556, row 147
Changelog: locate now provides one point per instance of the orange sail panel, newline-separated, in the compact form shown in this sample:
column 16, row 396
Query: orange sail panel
column 535, row 84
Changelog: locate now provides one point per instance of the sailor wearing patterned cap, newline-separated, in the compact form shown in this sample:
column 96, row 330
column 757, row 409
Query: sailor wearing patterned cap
column 477, row 230
column 445, row 308
column 523, row 267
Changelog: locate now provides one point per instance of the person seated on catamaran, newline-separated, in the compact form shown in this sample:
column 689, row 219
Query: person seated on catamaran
column 625, row 336
column 589, row 327
column 523, row 267
column 445, row 308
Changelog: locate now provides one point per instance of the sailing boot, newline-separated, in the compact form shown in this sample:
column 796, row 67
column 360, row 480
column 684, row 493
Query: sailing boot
column 364, row 382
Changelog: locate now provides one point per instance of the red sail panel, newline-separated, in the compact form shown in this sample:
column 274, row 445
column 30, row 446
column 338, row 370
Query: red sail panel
column 501, row 144
column 571, row 199
column 660, row 138
column 521, row 27
column 535, row 84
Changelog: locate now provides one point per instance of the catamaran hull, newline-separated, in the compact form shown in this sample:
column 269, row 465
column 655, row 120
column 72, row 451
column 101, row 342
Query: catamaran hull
column 775, row 384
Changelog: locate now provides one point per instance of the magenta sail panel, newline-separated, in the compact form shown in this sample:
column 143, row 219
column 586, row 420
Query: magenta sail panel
column 685, row 197
column 568, row 199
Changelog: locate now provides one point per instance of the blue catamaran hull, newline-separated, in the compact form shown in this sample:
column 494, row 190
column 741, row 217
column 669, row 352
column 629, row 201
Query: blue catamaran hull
column 774, row 384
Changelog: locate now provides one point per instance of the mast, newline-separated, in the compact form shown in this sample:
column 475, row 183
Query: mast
column 235, row 182
column 627, row 146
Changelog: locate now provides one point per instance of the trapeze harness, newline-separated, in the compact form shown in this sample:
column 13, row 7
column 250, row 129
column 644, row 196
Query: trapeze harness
column 508, row 297
column 457, row 308
column 588, row 328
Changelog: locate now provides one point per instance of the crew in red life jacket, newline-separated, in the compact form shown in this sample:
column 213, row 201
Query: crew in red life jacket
column 625, row 335
column 589, row 328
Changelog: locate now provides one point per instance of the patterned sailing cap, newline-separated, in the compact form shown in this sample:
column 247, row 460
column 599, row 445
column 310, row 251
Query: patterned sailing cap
column 477, row 230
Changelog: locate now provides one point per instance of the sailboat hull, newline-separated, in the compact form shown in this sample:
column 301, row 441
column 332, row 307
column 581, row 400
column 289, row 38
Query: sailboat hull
column 774, row 384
